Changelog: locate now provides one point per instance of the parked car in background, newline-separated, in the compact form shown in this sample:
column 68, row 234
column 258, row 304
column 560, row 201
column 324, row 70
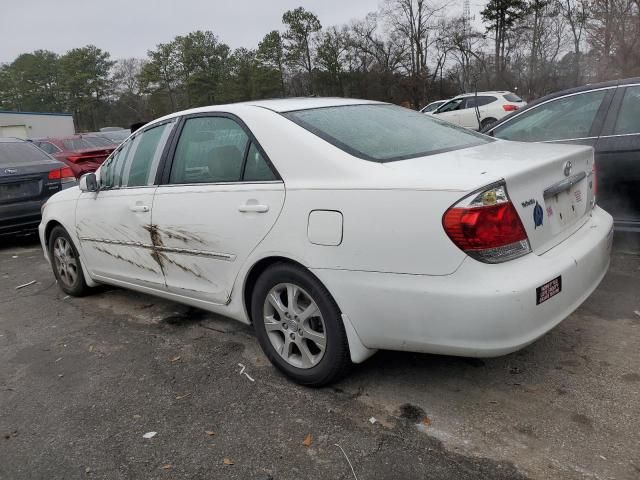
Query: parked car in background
column 82, row 154
column 605, row 116
column 98, row 140
column 492, row 106
column 116, row 137
column 28, row 177
column 338, row 227
column 430, row 107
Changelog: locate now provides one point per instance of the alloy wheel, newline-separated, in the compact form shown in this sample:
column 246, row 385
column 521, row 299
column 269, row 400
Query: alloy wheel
column 294, row 325
column 65, row 261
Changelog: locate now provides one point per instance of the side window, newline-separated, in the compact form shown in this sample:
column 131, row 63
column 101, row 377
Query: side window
column 210, row 150
column 110, row 171
column 561, row 119
column 629, row 115
column 451, row 105
column 485, row 100
column 257, row 168
column 143, row 156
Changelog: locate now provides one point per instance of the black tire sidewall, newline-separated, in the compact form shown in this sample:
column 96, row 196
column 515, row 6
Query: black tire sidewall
column 79, row 287
column 486, row 122
column 336, row 357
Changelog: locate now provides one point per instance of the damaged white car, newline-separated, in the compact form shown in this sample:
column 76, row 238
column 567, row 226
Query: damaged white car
column 338, row 227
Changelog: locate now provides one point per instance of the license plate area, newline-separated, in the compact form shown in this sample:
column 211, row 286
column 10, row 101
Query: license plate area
column 567, row 207
column 19, row 191
column 548, row 290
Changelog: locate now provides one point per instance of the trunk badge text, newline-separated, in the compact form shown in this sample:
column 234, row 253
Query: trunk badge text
column 10, row 171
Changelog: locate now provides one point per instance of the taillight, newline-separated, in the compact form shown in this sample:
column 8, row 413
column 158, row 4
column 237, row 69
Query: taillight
column 486, row 226
column 509, row 108
column 64, row 174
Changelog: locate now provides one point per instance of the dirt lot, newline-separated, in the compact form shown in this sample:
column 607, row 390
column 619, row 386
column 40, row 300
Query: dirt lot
column 82, row 380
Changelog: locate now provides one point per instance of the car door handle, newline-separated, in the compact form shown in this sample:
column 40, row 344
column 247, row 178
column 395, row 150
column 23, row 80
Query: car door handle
column 253, row 207
column 139, row 208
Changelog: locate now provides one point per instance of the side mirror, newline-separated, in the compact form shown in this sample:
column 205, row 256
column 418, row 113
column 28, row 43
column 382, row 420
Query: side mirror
column 89, row 182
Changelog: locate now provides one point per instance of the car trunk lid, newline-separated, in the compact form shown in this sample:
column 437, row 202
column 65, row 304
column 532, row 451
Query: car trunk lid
column 551, row 186
column 89, row 155
column 24, row 173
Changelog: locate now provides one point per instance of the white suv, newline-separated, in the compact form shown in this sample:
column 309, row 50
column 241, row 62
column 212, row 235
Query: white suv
column 492, row 106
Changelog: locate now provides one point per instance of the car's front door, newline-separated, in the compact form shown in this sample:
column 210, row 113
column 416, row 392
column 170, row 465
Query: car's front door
column 618, row 159
column 450, row 111
column 219, row 200
column 113, row 224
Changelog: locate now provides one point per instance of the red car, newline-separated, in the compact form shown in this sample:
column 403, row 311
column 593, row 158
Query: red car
column 83, row 153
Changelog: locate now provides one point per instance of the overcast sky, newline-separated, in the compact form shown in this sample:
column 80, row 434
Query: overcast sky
column 128, row 28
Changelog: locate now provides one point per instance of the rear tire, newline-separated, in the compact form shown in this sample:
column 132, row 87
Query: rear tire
column 487, row 122
column 66, row 264
column 299, row 326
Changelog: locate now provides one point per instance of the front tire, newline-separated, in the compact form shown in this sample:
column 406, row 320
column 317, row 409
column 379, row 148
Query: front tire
column 66, row 265
column 299, row 326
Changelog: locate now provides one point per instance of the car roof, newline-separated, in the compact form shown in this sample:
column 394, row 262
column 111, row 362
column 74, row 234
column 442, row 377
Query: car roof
column 11, row 140
column 491, row 92
column 304, row 103
column 584, row 88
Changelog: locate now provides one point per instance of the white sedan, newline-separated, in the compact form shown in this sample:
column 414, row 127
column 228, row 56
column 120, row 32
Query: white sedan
column 338, row 227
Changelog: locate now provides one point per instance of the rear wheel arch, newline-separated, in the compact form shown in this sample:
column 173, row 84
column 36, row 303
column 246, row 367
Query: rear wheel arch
column 254, row 273
column 358, row 351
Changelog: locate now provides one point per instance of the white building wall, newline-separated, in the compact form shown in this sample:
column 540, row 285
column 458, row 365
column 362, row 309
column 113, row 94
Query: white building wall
column 34, row 125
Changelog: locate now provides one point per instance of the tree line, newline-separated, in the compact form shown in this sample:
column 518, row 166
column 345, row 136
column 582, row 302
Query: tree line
column 408, row 52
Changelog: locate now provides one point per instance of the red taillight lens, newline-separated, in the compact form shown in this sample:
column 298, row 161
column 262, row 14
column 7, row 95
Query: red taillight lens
column 487, row 227
column 509, row 108
column 64, row 174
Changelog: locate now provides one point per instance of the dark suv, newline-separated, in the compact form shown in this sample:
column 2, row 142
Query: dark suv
column 605, row 116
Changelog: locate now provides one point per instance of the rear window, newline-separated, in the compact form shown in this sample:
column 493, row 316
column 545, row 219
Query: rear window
column 384, row 133
column 15, row 152
column 74, row 144
column 98, row 141
column 512, row 97
column 118, row 137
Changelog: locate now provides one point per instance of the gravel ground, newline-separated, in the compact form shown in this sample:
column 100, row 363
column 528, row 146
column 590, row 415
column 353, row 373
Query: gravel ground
column 82, row 380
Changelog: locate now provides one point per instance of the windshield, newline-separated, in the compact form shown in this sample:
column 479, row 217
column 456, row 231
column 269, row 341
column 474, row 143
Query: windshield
column 431, row 107
column 383, row 133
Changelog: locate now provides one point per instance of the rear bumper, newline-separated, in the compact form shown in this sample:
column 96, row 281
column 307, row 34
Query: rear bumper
column 20, row 217
column 480, row 310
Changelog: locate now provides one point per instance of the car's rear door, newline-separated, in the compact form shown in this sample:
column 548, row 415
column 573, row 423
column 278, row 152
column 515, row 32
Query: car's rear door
column 618, row 159
column 219, row 199
column 114, row 224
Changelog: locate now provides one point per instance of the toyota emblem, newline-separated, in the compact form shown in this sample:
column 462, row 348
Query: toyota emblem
column 568, row 167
